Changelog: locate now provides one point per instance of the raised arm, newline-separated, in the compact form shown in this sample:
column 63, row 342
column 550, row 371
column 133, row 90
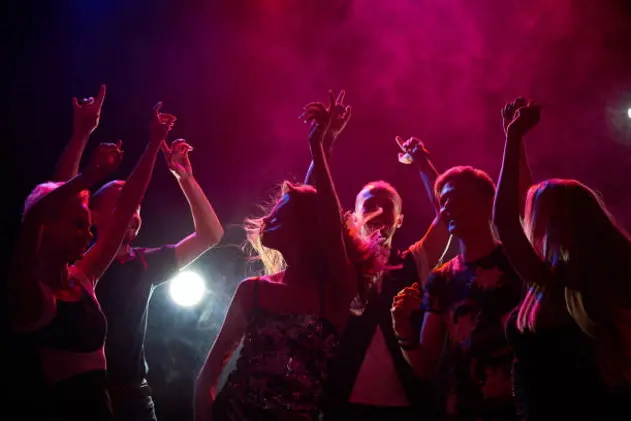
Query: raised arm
column 100, row 255
column 329, row 210
column 86, row 116
column 525, row 174
column 208, row 229
column 227, row 341
column 23, row 283
column 506, row 215
column 339, row 119
column 436, row 239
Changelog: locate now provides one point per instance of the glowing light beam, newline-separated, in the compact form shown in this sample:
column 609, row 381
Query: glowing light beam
column 187, row 289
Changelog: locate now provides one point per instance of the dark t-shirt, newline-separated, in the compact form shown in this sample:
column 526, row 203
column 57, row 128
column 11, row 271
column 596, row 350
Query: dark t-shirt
column 475, row 300
column 124, row 292
column 360, row 330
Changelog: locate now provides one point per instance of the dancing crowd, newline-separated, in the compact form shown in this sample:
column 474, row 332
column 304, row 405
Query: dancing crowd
column 531, row 320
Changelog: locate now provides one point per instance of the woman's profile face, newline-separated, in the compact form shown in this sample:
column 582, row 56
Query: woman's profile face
column 69, row 234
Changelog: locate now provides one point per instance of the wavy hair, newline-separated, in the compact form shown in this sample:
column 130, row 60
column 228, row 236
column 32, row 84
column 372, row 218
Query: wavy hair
column 365, row 254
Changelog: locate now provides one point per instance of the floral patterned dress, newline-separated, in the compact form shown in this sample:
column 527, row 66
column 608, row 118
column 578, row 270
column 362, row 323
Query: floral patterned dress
column 281, row 369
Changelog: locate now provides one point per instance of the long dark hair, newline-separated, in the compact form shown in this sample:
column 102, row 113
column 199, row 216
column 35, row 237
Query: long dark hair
column 571, row 228
column 365, row 254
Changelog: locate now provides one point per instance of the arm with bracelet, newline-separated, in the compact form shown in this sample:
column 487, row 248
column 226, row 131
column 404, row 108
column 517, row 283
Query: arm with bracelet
column 422, row 350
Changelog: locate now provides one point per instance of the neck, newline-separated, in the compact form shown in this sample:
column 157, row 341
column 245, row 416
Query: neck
column 478, row 245
column 52, row 271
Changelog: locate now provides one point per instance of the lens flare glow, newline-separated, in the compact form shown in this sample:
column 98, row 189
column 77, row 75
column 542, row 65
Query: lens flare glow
column 187, row 289
column 629, row 112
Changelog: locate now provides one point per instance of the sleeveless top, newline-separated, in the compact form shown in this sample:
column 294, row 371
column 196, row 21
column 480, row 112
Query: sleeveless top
column 556, row 375
column 70, row 338
column 281, row 369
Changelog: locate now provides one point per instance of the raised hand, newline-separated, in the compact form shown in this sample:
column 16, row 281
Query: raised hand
column 524, row 116
column 87, row 112
column 406, row 302
column 413, row 150
column 104, row 161
column 508, row 112
column 161, row 123
column 177, row 158
column 336, row 116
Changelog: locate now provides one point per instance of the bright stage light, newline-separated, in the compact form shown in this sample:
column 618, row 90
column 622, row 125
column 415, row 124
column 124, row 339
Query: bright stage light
column 629, row 112
column 187, row 289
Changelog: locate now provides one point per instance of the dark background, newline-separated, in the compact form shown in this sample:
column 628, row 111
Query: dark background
column 236, row 74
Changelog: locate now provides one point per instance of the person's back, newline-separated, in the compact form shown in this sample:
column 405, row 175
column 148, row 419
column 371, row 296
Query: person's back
column 282, row 366
column 557, row 366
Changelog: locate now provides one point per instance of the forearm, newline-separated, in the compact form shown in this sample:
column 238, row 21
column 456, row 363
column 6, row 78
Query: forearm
column 329, row 208
column 429, row 175
column 525, row 178
column 207, row 225
column 68, row 165
column 507, row 200
column 128, row 201
column 409, row 343
column 136, row 185
column 310, row 177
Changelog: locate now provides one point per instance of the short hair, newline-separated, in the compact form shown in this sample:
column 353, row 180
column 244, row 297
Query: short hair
column 381, row 186
column 99, row 196
column 41, row 190
column 477, row 178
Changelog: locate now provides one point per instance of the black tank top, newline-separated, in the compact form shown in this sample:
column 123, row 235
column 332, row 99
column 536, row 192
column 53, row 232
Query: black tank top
column 556, row 376
column 78, row 326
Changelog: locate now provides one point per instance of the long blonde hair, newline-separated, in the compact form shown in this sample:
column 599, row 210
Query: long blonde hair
column 570, row 227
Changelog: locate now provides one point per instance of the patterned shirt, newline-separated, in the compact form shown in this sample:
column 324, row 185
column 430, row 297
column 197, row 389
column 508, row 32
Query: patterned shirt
column 475, row 300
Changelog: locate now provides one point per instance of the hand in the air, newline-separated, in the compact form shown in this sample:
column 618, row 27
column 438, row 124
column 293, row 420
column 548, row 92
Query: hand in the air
column 520, row 116
column 177, row 158
column 106, row 158
column 334, row 118
column 406, row 302
column 413, row 150
column 161, row 123
column 87, row 112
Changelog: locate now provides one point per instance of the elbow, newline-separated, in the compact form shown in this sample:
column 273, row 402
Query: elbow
column 211, row 236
